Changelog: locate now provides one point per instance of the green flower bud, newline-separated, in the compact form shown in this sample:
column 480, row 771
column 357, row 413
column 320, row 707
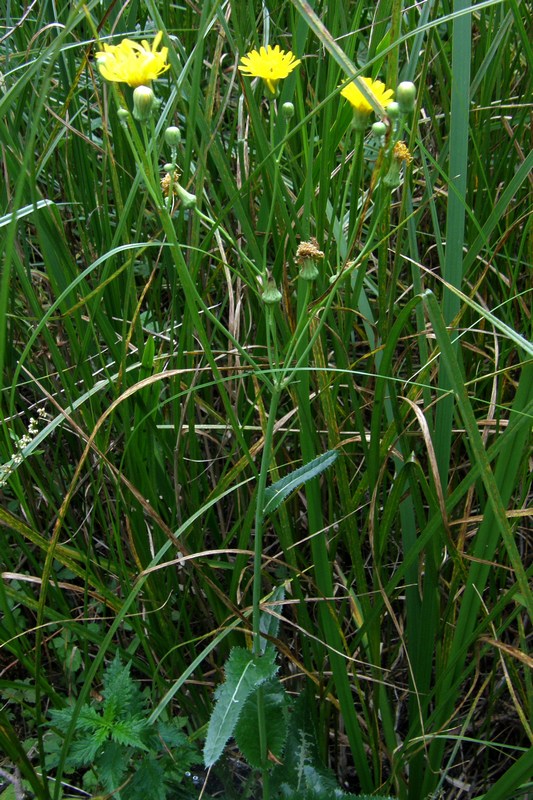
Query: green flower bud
column 271, row 294
column 172, row 136
column 123, row 114
column 188, row 200
column 406, row 96
column 288, row 110
column 379, row 129
column 393, row 110
column 143, row 103
column 169, row 167
column 393, row 177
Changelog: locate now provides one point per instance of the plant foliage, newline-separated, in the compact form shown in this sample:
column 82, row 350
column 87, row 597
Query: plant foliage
column 244, row 674
column 127, row 755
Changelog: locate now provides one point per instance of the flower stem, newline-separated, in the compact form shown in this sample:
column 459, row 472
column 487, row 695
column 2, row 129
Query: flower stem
column 266, row 459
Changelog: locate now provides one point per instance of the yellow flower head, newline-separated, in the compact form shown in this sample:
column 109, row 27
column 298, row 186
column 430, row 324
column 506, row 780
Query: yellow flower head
column 359, row 103
column 269, row 63
column 133, row 63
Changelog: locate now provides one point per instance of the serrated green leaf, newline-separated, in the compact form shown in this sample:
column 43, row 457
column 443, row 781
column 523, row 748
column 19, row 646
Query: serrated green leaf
column 323, row 793
column 112, row 765
column 247, row 730
column 302, row 775
column 83, row 752
column 369, row 797
column 171, row 734
column 122, row 695
column 61, row 716
column 276, row 494
column 244, row 672
column 129, row 732
column 148, row 781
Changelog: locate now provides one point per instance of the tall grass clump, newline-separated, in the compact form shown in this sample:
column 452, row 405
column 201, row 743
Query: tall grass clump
column 266, row 400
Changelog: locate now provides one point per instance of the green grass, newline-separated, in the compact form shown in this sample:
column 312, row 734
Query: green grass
column 172, row 396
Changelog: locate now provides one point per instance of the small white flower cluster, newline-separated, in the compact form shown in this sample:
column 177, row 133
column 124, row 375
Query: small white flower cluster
column 17, row 457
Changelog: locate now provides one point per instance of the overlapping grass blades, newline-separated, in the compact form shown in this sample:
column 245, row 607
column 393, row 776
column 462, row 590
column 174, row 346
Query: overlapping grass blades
column 129, row 524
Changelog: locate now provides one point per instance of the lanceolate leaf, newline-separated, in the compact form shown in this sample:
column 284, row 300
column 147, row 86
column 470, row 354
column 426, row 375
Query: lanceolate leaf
column 275, row 703
column 276, row 494
column 244, row 672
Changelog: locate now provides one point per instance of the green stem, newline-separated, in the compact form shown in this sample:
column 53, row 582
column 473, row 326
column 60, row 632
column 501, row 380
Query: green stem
column 383, row 201
column 352, row 186
column 275, row 186
column 258, row 557
column 259, row 515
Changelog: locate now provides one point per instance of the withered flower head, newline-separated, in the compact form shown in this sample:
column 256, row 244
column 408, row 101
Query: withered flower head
column 307, row 250
column 307, row 256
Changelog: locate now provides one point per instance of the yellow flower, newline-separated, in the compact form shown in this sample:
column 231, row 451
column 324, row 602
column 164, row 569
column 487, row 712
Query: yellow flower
column 360, row 104
column 133, row 63
column 269, row 63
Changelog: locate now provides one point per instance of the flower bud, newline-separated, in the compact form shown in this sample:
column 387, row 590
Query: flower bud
column 169, row 167
column 393, row 110
column 143, row 103
column 188, row 200
column 271, row 294
column 288, row 110
column 379, row 129
column 172, row 136
column 406, row 96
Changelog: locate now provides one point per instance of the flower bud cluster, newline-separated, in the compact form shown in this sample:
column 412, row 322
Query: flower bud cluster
column 170, row 184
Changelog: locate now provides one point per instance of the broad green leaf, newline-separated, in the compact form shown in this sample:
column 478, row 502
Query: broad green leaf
column 244, row 672
column 247, row 730
column 276, row 494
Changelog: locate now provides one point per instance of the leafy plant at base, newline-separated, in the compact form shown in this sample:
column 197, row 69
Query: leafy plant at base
column 119, row 745
column 302, row 776
column 245, row 673
column 276, row 704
